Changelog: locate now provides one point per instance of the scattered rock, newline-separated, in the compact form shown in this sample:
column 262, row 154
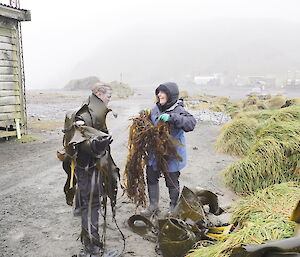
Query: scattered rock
column 216, row 118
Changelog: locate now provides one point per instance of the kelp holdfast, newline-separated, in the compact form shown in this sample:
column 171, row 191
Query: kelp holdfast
column 176, row 235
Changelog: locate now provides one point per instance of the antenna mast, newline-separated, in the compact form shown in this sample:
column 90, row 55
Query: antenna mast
column 14, row 3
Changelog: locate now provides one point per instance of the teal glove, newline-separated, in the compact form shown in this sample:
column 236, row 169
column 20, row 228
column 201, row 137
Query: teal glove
column 165, row 117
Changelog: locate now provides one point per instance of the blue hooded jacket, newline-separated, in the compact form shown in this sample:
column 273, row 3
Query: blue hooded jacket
column 180, row 121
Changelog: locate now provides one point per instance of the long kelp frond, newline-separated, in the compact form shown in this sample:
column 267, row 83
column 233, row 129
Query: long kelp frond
column 145, row 139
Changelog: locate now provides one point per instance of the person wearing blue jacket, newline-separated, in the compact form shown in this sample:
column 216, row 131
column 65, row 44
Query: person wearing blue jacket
column 169, row 109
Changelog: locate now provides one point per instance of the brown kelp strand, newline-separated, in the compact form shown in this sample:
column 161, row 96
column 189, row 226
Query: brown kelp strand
column 146, row 139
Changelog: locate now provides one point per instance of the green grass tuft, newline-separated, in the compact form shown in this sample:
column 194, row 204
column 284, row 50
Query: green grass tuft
column 27, row 139
column 237, row 136
column 262, row 217
column 268, row 143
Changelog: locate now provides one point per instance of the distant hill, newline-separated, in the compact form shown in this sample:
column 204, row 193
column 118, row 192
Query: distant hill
column 248, row 47
column 120, row 89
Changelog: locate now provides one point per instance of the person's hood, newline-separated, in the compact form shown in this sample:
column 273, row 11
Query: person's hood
column 172, row 92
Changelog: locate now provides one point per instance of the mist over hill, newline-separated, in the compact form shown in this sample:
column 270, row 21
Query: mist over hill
column 170, row 50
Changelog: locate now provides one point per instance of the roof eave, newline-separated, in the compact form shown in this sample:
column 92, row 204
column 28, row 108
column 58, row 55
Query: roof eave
column 16, row 14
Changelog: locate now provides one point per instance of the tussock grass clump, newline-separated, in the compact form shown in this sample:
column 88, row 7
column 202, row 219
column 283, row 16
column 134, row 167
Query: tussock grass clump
column 241, row 106
column 274, row 158
column 276, row 199
column 200, row 106
column 276, row 102
column 291, row 113
column 120, row 89
column 221, row 100
column 242, row 130
column 254, row 103
column 262, row 217
column 295, row 100
column 237, row 136
column 250, row 108
column 217, row 108
column 269, row 143
column 250, row 100
column 258, row 115
column 183, row 94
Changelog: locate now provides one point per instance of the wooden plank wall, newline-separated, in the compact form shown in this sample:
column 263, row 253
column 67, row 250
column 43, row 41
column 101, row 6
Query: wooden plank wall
column 11, row 92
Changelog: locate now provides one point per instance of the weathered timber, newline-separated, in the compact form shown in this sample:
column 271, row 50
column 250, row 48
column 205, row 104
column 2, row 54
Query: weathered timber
column 8, row 63
column 9, row 78
column 8, row 70
column 16, row 14
column 12, row 93
column 8, row 55
column 8, row 40
column 9, row 93
column 7, row 32
column 4, row 133
column 10, row 108
column 9, row 100
column 8, row 47
column 10, row 116
column 10, row 85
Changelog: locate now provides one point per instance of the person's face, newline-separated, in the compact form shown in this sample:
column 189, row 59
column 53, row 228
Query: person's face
column 105, row 97
column 162, row 97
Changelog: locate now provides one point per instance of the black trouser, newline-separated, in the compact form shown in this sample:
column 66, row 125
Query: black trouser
column 77, row 199
column 171, row 178
column 88, row 180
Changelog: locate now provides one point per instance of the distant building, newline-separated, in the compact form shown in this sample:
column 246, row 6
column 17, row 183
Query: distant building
column 293, row 79
column 262, row 81
column 12, row 82
column 211, row 80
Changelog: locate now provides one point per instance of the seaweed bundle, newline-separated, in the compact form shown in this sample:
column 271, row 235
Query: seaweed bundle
column 264, row 216
column 145, row 139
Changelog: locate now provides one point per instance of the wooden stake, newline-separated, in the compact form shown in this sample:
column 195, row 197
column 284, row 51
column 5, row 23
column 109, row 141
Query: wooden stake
column 18, row 128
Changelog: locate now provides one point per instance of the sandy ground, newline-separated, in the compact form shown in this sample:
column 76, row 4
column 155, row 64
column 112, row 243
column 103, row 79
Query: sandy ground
column 34, row 218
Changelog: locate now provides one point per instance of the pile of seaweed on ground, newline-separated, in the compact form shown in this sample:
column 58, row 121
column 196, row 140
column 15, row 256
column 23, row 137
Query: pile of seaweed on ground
column 145, row 139
column 268, row 143
column 262, row 217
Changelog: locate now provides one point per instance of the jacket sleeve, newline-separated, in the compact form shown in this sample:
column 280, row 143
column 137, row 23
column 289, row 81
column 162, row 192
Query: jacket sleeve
column 182, row 119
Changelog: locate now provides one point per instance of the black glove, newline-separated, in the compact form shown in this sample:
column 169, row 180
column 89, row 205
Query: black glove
column 100, row 143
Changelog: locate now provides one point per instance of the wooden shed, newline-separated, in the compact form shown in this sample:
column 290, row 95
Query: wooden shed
column 13, row 119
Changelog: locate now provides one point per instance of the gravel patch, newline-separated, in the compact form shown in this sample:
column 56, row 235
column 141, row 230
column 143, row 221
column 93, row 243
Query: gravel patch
column 216, row 118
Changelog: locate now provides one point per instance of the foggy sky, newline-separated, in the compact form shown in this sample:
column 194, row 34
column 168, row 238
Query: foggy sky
column 157, row 40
